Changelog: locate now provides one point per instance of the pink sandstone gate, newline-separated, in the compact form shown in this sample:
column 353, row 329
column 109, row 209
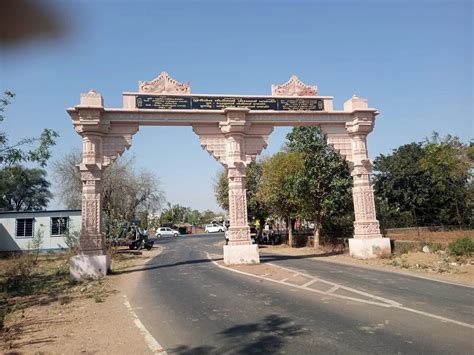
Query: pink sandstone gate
column 234, row 129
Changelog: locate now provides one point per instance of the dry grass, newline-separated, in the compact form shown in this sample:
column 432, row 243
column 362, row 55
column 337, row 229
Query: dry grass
column 27, row 281
column 426, row 236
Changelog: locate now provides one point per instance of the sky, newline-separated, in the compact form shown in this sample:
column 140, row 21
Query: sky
column 412, row 60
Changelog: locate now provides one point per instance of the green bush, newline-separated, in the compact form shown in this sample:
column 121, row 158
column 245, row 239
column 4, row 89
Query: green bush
column 462, row 246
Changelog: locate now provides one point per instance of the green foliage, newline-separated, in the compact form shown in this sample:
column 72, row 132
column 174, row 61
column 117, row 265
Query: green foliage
column 277, row 188
column 23, row 189
column 13, row 153
column 71, row 239
column 425, row 183
column 174, row 214
column 257, row 209
column 323, row 185
column 221, row 190
column 256, row 206
column 194, row 217
column 37, row 242
column 4, row 102
column 462, row 247
column 208, row 216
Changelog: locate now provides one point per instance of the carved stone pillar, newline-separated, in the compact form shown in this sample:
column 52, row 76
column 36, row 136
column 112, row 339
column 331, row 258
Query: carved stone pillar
column 234, row 130
column 367, row 241
column 366, row 224
column 102, row 143
column 235, row 142
column 92, row 241
column 239, row 231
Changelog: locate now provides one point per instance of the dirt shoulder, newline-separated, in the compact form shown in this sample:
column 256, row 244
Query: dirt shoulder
column 87, row 318
column 437, row 265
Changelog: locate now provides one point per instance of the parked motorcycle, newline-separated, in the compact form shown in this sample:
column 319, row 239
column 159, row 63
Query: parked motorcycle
column 140, row 242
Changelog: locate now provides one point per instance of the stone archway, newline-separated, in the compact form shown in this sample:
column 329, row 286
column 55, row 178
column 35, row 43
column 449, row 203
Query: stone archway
column 234, row 129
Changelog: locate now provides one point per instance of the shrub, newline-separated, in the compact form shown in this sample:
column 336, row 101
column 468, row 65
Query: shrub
column 462, row 246
column 71, row 239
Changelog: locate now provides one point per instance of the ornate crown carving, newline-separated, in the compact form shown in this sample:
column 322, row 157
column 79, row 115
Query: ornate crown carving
column 164, row 84
column 294, row 87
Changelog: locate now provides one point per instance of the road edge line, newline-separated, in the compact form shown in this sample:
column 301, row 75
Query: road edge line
column 396, row 305
column 388, row 271
column 386, row 305
column 150, row 341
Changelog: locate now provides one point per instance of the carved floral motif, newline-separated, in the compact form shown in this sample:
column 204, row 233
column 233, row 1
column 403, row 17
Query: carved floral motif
column 365, row 229
column 164, row 84
column 294, row 87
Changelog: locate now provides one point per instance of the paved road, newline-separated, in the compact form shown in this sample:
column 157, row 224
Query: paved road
column 193, row 307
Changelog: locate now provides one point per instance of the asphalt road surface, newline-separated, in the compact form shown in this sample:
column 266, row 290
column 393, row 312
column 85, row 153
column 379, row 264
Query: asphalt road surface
column 191, row 306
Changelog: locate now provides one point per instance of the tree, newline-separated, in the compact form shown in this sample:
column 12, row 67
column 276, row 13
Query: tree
column 174, row 214
column 13, row 153
column 425, row 183
column 208, row 216
column 126, row 192
column 194, row 217
column 221, row 190
column 23, row 189
column 323, row 184
column 402, row 187
column 277, row 188
column 257, row 209
column 447, row 162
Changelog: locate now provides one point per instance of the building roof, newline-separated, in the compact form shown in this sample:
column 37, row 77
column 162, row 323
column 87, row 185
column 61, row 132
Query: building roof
column 37, row 212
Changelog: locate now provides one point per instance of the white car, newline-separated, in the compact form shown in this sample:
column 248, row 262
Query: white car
column 214, row 227
column 166, row 232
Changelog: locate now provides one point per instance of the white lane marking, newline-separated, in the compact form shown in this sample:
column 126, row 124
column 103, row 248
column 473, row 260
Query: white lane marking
column 388, row 304
column 285, row 279
column 310, row 282
column 353, row 290
column 300, row 287
column 151, row 342
column 332, row 289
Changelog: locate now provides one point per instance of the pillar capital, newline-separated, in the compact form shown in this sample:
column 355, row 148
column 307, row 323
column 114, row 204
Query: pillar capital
column 360, row 125
column 236, row 121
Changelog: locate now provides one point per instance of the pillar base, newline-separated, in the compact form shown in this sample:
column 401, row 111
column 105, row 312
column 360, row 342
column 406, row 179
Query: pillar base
column 241, row 254
column 369, row 248
column 85, row 267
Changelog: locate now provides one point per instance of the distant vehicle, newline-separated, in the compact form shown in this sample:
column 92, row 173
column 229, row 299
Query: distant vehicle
column 166, row 232
column 214, row 227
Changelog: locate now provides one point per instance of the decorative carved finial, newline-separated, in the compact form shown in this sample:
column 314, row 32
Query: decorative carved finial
column 294, row 87
column 91, row 98
column 164, row 84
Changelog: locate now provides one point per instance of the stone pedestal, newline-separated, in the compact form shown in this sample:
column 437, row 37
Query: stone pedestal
column 369, row 248
column 83, row 267
column 241, row 254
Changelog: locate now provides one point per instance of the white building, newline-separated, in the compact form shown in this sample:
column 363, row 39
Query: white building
column 17, row 229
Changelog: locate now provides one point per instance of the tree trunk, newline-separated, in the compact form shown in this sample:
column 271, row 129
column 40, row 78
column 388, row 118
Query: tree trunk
column 260, row 228
column 458, row 214
column 317, row 229
column 289, row 226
